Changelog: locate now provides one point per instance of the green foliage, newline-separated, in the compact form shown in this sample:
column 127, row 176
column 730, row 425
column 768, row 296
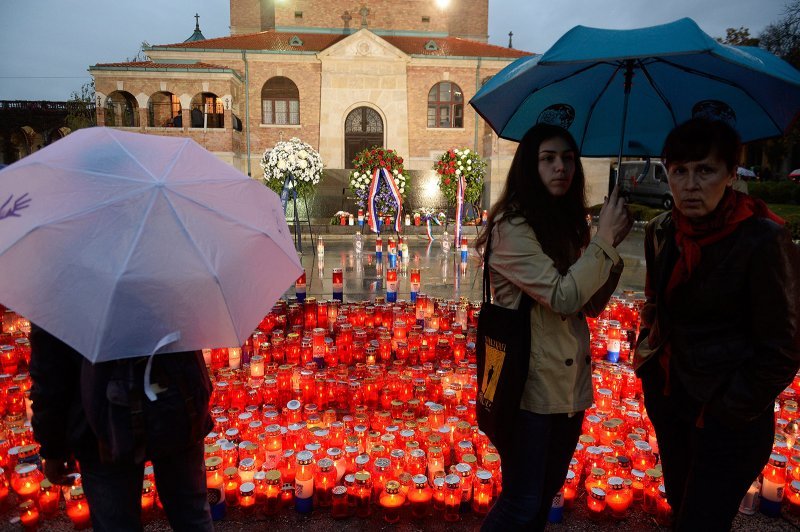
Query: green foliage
column 640, row 213
column 775, row 191
column 739, row 37
column 80, row 108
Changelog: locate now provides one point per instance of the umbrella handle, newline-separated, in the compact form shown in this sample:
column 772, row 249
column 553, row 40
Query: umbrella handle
column 148, row 386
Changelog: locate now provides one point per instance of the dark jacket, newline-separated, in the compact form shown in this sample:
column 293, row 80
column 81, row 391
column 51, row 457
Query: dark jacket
column 734, row 326
column 84, row 409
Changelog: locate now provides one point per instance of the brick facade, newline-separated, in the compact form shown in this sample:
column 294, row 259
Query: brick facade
column 461, row 18
column 335, row 73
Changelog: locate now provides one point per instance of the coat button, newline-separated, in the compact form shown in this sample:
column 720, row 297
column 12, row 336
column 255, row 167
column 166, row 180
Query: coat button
column 588, row 359
column 569, row 362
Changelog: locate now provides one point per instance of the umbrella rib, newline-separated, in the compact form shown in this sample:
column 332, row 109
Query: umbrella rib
column 122, row 269
column 205, row 261
column 134, row 159
column 87, row 171
column 594, row 103
column 174, row 160
column 658, row 91
column 724, row 81
column 267, row 232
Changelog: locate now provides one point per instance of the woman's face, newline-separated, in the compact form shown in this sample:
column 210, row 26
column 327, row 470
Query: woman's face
column 698, row 186
column 556, row 165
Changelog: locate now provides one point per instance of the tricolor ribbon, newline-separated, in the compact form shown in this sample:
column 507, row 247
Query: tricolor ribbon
column 460, row 191
column 373, row 193
column 428, row 225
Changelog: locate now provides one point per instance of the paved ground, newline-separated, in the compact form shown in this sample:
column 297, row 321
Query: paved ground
column 441, row 271
column 441, row 277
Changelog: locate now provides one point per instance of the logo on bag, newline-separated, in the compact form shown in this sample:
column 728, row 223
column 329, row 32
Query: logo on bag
column 495, row 356
column 559, row 114
column 714, row 110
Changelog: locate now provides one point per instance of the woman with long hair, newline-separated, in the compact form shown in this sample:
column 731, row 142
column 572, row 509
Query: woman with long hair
column 541, row 246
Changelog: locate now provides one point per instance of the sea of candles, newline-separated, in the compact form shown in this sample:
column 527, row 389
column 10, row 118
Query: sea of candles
column 348, row 407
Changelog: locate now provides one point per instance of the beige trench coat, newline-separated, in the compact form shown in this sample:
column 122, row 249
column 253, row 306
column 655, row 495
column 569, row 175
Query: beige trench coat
column 559, row 374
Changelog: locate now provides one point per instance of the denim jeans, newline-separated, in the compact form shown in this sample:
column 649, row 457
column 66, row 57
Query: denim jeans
column 114, row 491
column 534, row 469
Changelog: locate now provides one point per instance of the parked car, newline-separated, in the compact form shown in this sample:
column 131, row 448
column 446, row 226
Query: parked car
column 645, row 182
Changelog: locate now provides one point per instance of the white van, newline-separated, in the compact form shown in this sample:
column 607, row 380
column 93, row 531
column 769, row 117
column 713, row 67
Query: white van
column 646, row 182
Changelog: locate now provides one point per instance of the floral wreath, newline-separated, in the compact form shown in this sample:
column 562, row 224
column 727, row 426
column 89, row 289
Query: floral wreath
column 293, row 159
column 365, row 164
column 451, row 165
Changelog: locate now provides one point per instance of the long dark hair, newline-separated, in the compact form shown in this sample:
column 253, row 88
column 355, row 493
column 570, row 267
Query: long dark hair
column 558, row 222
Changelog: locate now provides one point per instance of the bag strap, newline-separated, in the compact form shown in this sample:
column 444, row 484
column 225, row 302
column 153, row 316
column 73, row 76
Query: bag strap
column 526, row 301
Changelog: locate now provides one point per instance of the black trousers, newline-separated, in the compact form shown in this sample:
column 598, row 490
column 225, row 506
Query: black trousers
column 708, row 469
column 535, row 466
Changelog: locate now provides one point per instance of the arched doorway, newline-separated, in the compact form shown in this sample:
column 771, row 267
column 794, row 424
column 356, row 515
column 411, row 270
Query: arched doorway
column 363, row 128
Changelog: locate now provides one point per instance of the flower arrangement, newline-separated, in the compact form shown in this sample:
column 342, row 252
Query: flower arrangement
column 293, row 158
column 341, row 218
column 451, row 165
column 426, row 213
column 365, row 164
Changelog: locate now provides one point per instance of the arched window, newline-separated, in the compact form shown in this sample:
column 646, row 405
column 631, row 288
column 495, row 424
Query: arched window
column 122, row 110
column 445, row 105
column 162, row 109
column 207, row 111
column 280, row 102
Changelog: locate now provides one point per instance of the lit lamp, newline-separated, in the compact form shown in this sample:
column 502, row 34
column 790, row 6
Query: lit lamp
column 273, row 492
column 391, row 500
column 483, row 490
column 300, row 287
column 49, row 497
column 452, row 497
column 340, row 507
column 391, row 285
column 310, row 312
column 596, row 503
column 414, row 281
column 420, row 496
column 324, row 481
column 78, row 509
column 618, row 497
column 26, row 481
column 148, row 499
column 247, row 496
column 338, row 284
column 29, row 515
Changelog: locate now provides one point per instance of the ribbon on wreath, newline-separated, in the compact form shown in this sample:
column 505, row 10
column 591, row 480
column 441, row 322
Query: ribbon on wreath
column 288, row 189
column 428, row 225
column 461, row 190
column 373, row 192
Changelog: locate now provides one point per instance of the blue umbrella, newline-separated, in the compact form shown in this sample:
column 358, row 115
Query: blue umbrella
column 620, row 92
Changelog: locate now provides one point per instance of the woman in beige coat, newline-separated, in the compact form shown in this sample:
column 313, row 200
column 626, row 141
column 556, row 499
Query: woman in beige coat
column 541, row 246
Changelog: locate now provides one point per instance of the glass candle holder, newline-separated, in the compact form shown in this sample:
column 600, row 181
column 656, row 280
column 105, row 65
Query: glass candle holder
column 452, row 498
column 596, row 503
column 26, row 480
column 78, row 509
column 420, row 497
column 653, row 478
column 304, row 482
column 570, row 489
column 340, row 507
column 483, row 490
column 49, row 497
column 29, row 516
column 363, row 493
column 663, row 509
column 247, row 496
column 324, row 481
column 618, row 498
column 391, row 501
column 215, row 484
column 148, row 499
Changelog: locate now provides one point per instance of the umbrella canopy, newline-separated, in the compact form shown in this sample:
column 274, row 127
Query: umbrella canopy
column 123, row 244
column 795, row 173
column 620, row 92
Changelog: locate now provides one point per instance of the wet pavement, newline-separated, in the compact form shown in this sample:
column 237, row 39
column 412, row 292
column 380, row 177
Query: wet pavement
column 442, row 272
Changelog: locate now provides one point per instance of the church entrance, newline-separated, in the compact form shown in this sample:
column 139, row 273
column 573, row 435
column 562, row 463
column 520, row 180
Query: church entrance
column 363, row 128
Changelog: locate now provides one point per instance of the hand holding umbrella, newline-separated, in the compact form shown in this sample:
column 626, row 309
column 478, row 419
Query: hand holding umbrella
column 615, row 221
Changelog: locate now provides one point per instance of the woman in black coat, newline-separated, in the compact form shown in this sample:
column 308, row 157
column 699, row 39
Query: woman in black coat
column 719, row 338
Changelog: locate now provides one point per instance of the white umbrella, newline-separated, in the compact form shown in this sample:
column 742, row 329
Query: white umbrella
column 123, row 244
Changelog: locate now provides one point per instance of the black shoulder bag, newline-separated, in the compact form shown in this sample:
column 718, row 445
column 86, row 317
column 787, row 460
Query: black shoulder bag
column 503, row 351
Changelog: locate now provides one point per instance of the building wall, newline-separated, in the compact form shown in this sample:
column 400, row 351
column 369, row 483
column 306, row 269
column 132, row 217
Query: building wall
column 464, row 18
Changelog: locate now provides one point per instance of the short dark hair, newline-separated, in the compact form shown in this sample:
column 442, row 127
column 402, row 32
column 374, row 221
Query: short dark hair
column 698, row 138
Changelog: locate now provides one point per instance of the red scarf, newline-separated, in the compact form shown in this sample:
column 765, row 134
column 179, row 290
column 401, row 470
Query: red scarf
column 692, row 236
